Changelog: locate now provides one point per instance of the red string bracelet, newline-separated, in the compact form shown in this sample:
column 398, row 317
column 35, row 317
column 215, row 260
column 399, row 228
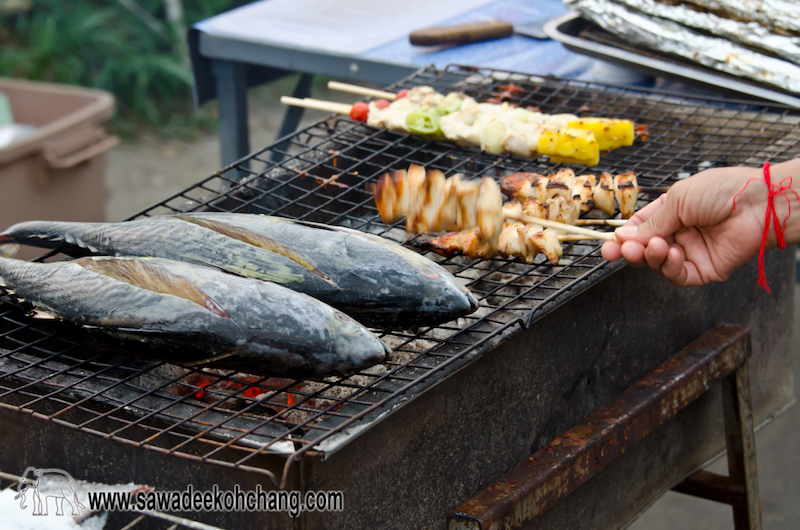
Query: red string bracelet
column 780, row 227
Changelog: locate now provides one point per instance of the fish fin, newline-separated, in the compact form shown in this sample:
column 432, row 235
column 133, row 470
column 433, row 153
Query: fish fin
column 9, row 250
column 259, row 240
column 42, row 315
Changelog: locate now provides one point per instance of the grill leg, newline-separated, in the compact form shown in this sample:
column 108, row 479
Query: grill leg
column 741, row 444
column 740, row 488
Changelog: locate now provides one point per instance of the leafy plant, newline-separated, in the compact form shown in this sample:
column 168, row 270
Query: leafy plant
column 128, row 47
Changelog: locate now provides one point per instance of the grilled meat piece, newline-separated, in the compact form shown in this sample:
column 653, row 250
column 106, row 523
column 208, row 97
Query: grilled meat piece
column 626, row 189
column 561, row 184
column 489, row 210
column 582, row 190
column 467, row 193
column 603, row 194
column 391, row 198
column 433, row 203
column 467, row 242
column 556, row 209
column 563, row 210
column 524, row 186
column 190, row 315
column 374, row 280
column 516, row 240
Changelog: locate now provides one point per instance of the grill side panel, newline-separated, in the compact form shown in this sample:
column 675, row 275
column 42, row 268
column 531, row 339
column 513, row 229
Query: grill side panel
column 460, row 435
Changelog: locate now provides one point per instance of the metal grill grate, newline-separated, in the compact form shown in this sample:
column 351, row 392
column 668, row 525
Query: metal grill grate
column 322, row 173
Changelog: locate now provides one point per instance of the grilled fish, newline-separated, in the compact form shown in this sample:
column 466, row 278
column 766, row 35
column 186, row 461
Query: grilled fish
column 376, row 281
column 165, row 310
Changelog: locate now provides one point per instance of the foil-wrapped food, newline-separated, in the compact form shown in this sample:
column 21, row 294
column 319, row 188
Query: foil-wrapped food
column 728, row 35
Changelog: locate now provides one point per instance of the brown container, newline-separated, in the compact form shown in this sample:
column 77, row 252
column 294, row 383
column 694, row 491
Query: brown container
column 56, row 174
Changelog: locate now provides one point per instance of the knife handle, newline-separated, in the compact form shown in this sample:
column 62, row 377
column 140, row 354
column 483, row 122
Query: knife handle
column 461, row 34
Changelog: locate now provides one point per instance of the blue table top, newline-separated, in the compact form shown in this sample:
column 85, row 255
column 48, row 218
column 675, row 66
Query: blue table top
column 518, row 52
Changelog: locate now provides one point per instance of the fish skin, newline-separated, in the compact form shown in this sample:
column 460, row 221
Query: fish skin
column 378, row 282
column 267, row 329
column 383, row 284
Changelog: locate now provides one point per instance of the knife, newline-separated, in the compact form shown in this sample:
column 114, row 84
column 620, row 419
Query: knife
column 476, row 32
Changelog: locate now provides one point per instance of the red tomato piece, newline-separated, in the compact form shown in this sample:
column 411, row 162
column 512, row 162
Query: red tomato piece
column 381, row 103
column 403, row 93
column 359, row 111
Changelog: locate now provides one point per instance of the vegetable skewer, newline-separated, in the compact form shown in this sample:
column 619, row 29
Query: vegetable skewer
column 496, row 128
column 361, row 90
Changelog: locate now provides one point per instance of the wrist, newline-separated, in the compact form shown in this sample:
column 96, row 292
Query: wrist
column 786, row 202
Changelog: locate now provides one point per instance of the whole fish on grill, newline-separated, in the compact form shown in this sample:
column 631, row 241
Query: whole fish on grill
column 190, row 315
column 374, row 280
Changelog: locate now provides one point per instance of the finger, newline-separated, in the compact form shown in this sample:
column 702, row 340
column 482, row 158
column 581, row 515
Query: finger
column 629, row 229
column 663, row 222
column 611, row 250
column 698, row 253
column 656, row 253
column 645, row 213
column 678, row 270
column 673, row 268
column 633, row 252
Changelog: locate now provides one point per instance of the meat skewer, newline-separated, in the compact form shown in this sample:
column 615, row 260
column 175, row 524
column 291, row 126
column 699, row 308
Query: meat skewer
column 602, row 194
column 430, row 203
column 516, row 240
column 524, row 239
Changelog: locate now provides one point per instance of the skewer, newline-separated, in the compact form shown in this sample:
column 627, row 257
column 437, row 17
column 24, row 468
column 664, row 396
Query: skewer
column 654, row 189
column 363, row 91
column 601, row 222
column 317, row 104
column 574, row 237
column 570, row 229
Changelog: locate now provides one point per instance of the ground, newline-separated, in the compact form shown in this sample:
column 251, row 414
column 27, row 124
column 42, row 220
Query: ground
column 149, row 169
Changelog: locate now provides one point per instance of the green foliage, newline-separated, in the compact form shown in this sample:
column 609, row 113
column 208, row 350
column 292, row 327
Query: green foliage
column 103, row 44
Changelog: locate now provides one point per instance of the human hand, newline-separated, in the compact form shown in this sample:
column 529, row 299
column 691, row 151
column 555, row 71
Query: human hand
column 692, row 235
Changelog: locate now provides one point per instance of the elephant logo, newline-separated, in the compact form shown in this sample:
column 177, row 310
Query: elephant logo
column 47, row 483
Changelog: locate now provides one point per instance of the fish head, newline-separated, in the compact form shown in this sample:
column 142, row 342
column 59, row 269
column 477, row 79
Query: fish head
column 356, row 347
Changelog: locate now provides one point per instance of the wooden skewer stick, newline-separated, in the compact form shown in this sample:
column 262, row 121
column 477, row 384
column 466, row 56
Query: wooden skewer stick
column 363, row 91
column 601, row 222
column 654, row 189
column 317, row 104
column 570, row 229
column 576, row 237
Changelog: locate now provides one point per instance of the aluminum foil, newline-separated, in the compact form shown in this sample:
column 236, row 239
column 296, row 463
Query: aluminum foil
column 751, row 34
column 779, row 15
column 671, row 37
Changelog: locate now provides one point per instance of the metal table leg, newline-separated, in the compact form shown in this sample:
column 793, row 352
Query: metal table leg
column 232, row 94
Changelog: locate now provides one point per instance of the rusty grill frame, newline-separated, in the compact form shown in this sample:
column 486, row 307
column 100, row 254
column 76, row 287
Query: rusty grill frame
column 321, row 173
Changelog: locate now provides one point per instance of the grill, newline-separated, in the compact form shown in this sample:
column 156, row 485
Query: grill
column 323, row 173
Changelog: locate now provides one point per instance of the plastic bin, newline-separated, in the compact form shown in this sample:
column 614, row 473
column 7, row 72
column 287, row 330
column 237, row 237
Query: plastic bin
column 56, row 174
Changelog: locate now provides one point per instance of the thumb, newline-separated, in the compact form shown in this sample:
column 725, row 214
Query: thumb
column 658, row 219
